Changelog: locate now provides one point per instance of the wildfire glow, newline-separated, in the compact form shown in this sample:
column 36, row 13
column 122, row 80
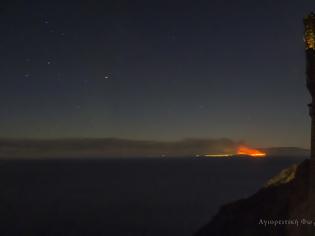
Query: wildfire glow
column 242, row 150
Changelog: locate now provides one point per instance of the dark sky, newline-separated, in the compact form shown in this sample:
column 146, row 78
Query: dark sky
column 159, row 70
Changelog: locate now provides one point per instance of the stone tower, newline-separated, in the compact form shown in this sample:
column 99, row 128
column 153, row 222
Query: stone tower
column 309, row 39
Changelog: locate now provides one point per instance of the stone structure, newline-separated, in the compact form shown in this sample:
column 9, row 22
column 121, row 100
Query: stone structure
column 309, row 39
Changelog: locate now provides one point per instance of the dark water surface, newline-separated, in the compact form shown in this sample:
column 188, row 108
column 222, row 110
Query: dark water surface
column 158, row 196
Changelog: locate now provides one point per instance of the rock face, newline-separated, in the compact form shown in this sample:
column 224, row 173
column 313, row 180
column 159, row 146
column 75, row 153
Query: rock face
column 284, row 197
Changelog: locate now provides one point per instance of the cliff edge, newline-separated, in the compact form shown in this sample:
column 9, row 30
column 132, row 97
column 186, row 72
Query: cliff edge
column 278, row 208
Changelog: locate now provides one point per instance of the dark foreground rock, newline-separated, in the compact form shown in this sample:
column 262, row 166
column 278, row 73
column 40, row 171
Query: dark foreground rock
column 284, row 197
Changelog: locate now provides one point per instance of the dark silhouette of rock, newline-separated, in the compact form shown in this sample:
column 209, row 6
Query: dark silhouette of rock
column 284, row 197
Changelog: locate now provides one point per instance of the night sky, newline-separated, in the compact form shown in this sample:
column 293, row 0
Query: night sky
column 155, row 70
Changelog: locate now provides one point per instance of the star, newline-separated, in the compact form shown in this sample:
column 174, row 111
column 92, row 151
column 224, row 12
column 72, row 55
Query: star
column 173, row 37
column 48, row 62
column 108, row 76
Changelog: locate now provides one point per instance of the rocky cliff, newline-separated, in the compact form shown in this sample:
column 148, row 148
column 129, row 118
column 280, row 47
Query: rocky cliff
column 279, row 208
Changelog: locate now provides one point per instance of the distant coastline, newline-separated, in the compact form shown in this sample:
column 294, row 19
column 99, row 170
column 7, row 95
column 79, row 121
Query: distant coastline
column 113, row 147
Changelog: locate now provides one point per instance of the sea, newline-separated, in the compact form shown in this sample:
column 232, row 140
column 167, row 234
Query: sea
column 125, row 196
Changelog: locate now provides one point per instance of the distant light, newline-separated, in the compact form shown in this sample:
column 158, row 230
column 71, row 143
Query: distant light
column 243, row 150
column 218, row 155
column 258, row 154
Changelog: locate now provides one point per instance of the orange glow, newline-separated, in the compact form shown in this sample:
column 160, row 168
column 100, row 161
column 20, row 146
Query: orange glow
column 242, row 150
